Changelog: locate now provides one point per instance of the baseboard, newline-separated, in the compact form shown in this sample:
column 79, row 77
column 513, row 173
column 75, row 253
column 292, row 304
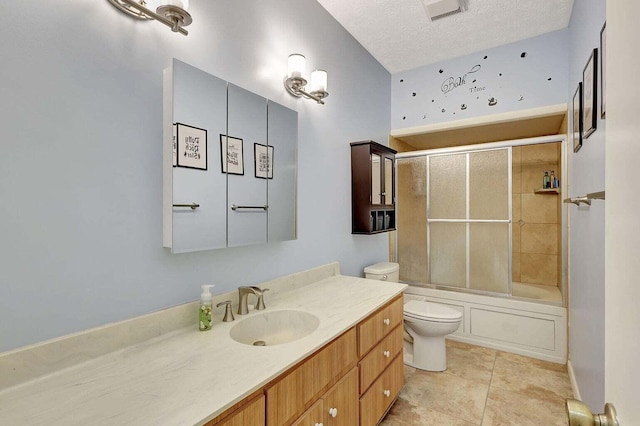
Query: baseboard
column 574, row 384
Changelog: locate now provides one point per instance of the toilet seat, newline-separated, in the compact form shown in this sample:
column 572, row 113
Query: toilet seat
column 429, row 311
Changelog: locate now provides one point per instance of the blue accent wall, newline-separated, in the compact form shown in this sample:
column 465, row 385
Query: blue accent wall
column 525, row 74
column 81, row 163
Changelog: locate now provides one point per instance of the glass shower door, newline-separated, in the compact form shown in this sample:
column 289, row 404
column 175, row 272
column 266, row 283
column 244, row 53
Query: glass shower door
column 468, row 220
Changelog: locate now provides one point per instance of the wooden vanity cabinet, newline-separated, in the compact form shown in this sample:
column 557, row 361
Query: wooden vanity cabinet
column 372, row 188
column 341, row 401
column 353, row 380
column 295, row 392
column 381, row 368
column 337, row 407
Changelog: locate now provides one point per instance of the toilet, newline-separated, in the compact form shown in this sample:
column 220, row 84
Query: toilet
column 426, row 322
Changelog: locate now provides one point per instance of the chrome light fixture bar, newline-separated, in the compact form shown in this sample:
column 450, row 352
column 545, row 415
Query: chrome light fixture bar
column 296, row 84
column 172, row 14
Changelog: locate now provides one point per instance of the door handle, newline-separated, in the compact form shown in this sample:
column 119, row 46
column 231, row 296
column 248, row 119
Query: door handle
column 580, row 414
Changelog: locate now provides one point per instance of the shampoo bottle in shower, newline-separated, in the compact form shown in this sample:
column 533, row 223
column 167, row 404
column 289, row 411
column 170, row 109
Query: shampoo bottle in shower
column 546, row 183
column 204, row 312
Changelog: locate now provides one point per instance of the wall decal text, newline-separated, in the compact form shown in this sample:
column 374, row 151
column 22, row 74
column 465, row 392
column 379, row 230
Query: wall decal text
column 453, row 82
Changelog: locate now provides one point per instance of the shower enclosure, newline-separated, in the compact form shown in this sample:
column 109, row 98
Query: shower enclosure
column 478, row 219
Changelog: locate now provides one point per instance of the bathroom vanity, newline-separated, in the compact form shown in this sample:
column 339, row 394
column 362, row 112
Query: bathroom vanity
column 349, row 368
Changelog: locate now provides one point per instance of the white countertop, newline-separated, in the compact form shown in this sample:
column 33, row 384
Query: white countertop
column 189, row 377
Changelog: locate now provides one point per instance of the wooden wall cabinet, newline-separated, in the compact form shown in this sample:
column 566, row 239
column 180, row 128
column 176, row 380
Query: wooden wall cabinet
column 372, row 188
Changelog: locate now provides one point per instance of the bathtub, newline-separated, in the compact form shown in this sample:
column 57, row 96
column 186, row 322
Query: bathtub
column 537, row 330
column 545, row 293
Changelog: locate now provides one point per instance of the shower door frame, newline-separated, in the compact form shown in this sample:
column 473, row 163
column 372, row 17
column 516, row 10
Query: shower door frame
column 562, row 139
column 469, row 221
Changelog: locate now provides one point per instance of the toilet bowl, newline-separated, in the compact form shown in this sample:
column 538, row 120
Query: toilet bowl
column 426, row 322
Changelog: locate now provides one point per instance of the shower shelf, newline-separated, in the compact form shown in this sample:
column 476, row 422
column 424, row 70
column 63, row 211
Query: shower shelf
column 547, row 191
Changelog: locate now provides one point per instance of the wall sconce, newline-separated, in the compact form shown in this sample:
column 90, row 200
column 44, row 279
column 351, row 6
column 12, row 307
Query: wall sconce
column 172, row 13
column 296, row 84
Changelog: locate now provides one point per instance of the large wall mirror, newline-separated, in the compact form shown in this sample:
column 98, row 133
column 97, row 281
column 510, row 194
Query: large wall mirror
column 229, row 162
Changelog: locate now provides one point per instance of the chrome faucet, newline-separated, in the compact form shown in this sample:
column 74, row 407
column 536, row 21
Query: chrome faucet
column 243, row 294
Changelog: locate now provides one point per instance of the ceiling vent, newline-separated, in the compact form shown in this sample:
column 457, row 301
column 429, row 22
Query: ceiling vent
column 437, row 9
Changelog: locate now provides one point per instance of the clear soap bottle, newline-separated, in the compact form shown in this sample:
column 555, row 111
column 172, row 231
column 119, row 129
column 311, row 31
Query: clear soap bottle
column 552, row 180
column 546, row 183
column 204, row 313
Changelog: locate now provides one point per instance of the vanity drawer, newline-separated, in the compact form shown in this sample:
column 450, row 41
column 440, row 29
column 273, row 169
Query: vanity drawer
column 377, row 400
column 380, row 357
column 378, row 325
column 288, row 397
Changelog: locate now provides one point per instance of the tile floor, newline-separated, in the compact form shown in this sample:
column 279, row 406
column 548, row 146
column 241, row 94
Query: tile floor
column 483, row 387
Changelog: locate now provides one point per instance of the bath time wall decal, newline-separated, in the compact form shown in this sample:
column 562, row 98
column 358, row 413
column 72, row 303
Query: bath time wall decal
column 522, row 75
column 452, row 83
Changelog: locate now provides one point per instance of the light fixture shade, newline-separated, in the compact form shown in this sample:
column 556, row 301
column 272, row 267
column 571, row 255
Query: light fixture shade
column 318, row 81
column 183, row 4
column 296, row 66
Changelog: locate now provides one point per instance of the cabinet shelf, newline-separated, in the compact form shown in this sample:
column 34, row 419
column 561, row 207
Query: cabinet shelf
column 547, row 191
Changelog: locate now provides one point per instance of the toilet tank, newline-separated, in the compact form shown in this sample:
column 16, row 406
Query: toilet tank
column 384, row 271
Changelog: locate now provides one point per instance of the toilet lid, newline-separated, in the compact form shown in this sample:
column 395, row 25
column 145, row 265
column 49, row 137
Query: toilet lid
column 430, row 310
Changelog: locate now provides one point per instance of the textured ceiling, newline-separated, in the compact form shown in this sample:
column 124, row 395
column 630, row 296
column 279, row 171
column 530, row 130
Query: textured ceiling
column 400, row 36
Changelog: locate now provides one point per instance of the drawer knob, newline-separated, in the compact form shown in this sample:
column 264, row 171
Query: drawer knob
column 386, row 321
column 333, row 412
column 387, row 354
column 387, row 393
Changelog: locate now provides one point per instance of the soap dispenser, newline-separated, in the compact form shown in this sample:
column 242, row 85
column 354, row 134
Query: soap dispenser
column 205, row 308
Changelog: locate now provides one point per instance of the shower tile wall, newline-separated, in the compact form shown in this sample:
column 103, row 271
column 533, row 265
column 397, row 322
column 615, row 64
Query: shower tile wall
column 536, row 220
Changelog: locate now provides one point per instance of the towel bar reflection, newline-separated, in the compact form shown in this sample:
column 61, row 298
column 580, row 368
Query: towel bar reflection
column 235, row 207
column 585, row 199
column 192, row 206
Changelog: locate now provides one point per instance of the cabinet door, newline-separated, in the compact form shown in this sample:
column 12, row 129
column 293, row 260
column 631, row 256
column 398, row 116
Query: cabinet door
column 388, row 177
column 281, row 180
column 287, row 399
column 341, row 401
column 312, row 417
column 251, row 415
column 247, row 122
column 195, row 99
column 376, row 178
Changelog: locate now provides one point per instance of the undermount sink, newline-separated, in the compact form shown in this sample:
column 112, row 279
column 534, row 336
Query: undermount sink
column 274, row 327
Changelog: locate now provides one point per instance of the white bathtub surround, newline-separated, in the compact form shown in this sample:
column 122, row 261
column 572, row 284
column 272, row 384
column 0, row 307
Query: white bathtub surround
column 187, row 376
column 531, row 329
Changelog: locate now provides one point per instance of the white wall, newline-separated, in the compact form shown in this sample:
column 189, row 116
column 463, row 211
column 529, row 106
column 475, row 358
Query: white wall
column 81, row 165
column 586, row 224
column 526, row 74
